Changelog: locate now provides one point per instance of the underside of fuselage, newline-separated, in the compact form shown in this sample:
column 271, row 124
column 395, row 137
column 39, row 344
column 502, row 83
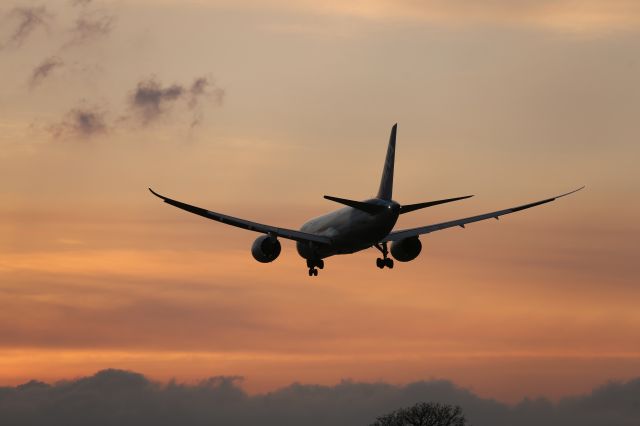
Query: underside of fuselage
column 349, row 229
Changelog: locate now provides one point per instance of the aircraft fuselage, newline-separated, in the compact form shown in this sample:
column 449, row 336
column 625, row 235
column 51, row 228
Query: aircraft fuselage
column 350, row 230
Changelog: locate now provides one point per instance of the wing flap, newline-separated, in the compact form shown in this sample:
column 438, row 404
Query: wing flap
column 290, row 234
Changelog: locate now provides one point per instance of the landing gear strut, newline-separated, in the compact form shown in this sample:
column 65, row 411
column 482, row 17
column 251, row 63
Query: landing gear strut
column 312, row 264
column 385, row 261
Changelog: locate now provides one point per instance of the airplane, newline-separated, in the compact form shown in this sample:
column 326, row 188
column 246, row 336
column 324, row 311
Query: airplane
column 358, row 226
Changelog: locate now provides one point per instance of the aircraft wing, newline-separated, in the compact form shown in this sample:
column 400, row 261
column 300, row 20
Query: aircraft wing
column 246, row 224
column 413, row 232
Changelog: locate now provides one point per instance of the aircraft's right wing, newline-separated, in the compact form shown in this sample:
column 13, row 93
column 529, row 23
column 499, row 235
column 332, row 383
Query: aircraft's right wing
column 414, row 232
column 246, row 224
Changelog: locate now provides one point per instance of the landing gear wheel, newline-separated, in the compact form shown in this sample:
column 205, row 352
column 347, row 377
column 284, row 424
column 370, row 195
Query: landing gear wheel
column 384, row 261
column 315, row 263
column 313, row 272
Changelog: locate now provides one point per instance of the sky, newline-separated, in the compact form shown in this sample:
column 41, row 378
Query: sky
column 257, row 109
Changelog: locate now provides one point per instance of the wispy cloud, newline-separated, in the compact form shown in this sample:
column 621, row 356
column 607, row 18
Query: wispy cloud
column 43, row 70
column 203, row 87
column 28, row 20
column 151, row 99
column 82, row 122
column 148, row 102
column 90, row 26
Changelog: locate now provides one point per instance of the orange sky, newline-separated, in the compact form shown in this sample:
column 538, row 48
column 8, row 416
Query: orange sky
column 510, row 104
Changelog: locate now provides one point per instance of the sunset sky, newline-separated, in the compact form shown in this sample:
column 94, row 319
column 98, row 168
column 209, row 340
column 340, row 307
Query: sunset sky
column 257, row 109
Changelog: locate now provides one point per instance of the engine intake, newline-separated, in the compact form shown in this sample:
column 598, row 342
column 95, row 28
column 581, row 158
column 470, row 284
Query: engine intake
column 407, row 249
column 266, row 249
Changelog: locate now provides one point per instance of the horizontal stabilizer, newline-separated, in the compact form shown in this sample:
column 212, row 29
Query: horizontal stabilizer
column 360, row 205
column 412, row 207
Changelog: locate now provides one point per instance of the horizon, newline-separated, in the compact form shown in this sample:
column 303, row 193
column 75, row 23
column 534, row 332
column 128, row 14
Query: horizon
column 107, row 393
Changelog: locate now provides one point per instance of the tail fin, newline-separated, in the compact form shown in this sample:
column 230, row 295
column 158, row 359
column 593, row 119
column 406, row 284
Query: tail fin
column 386, row 182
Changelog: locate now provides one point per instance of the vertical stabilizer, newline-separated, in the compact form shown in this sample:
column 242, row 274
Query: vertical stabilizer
column 386, row 182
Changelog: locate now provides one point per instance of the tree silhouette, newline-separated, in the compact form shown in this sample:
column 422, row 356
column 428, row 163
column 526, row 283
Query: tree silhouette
column 424, row 414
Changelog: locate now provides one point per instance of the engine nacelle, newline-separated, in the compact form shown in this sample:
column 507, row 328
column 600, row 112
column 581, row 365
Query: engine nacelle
column 266, row 249
column 406, row 250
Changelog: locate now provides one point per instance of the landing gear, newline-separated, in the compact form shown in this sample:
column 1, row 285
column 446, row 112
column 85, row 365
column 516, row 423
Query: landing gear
column 312, row 264
column 385, row 261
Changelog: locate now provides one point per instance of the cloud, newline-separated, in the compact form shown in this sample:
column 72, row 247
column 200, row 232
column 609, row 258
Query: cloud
column 82, row 122
column 43, row 70
column 122, row 397
column 203, row 87
column 80, row 3
column 151, row 100
column 585, row 16
column 29, row 19
column 89, row 27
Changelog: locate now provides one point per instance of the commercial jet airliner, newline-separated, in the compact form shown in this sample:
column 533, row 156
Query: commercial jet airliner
column 358, row 226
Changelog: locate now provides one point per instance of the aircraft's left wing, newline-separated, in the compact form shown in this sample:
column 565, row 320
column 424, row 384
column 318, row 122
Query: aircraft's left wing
column 246, row 224
column 413, row 232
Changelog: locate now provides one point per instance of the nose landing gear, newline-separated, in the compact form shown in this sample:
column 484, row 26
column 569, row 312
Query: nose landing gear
column 385, row 261
column 312, row 264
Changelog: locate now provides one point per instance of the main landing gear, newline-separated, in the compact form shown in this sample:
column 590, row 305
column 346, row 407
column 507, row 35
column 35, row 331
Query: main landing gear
column 385, row 261
column 312, row 264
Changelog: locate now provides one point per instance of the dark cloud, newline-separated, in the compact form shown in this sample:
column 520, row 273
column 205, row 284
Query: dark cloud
column 150, row 100
column 82, row 122
column 90, row 26
column 28, row 20
column 43, row 70
column 115, row 397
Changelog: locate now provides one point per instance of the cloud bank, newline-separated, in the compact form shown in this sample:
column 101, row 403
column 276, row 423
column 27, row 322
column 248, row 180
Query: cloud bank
column 116, row 397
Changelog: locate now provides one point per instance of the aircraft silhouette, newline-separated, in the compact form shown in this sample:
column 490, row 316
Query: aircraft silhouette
column 358, row 226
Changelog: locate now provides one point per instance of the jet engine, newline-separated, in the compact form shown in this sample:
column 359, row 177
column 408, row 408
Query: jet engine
column 406, row 250
column 266, row 249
